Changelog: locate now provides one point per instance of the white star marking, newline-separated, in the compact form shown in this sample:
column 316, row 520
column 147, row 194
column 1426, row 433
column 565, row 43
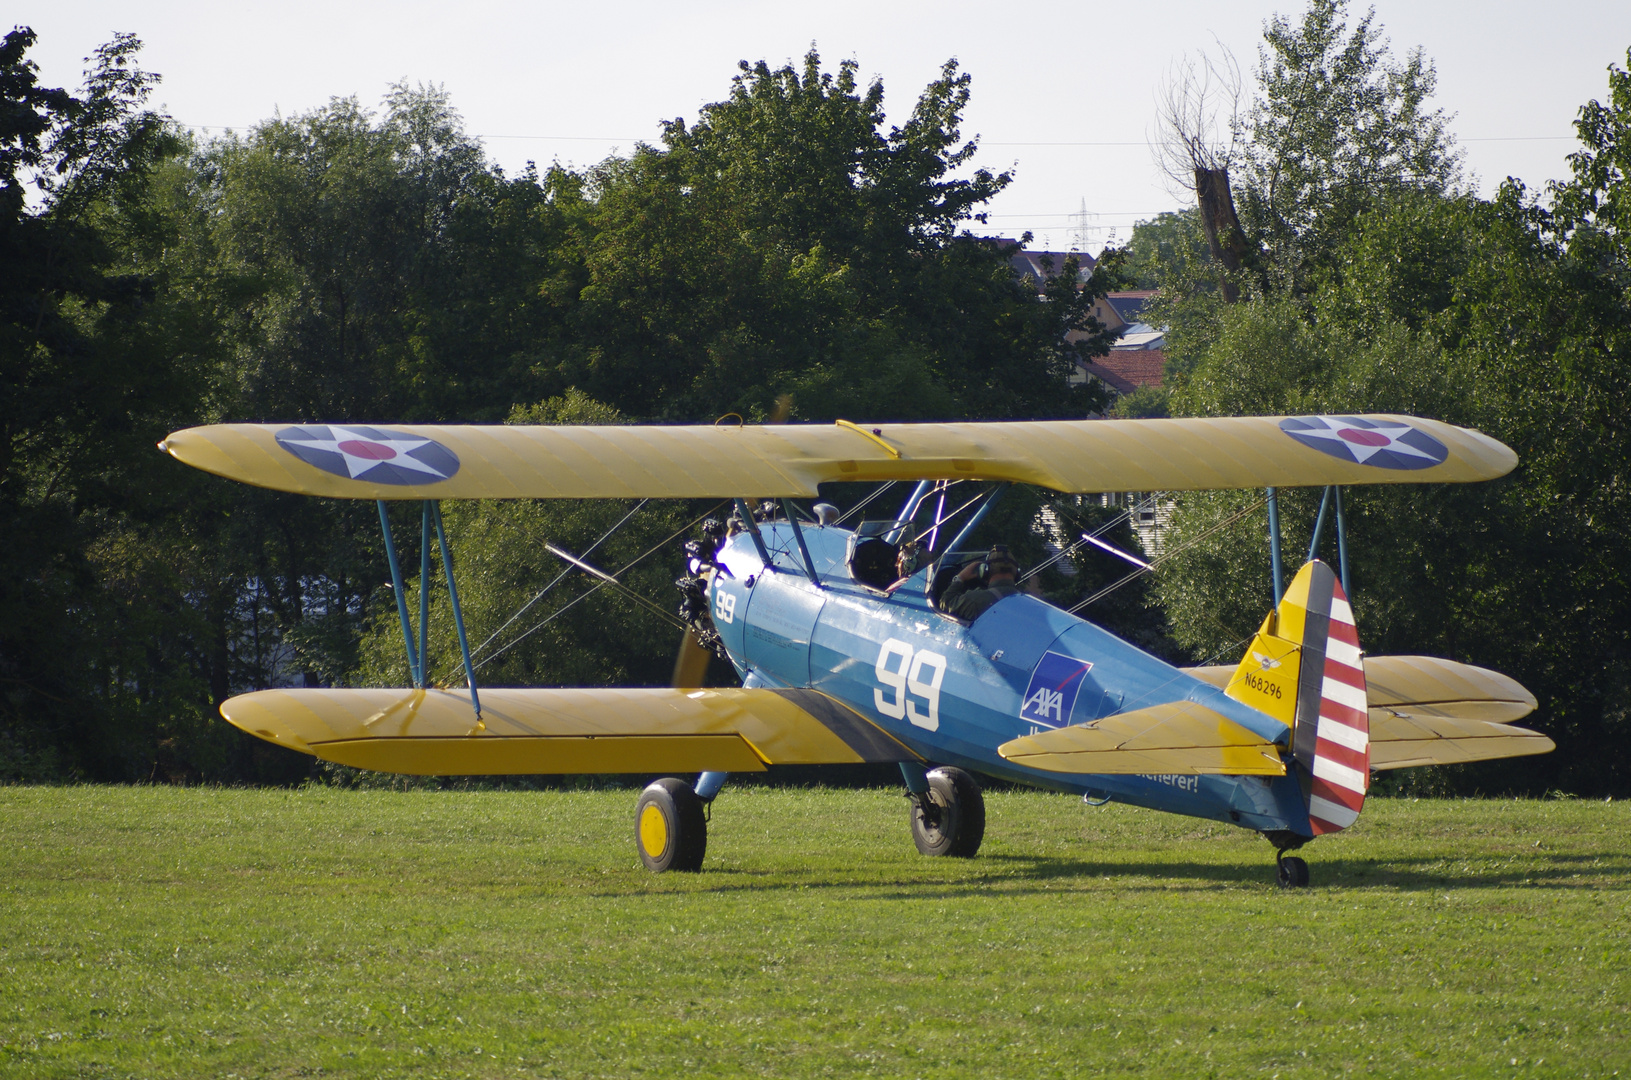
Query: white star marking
column 1361, row 452
column 358, row 464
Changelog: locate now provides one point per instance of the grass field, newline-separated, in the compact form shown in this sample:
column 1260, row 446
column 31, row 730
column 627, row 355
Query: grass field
column 156, row 932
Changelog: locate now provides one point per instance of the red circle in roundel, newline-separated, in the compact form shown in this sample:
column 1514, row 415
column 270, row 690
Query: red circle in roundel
column 372, row 451
column 1363, row 437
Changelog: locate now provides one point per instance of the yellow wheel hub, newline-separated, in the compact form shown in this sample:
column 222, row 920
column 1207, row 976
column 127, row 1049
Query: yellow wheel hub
column 653, row 831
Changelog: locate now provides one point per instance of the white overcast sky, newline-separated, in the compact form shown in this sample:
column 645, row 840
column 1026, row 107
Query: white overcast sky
column 1063, row 93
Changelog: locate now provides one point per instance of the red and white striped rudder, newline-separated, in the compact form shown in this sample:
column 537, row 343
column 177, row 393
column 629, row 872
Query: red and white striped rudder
column 1331, row 735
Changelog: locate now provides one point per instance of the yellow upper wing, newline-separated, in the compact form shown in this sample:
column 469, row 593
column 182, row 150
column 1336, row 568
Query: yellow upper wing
column 513, row 462
column 435, row 733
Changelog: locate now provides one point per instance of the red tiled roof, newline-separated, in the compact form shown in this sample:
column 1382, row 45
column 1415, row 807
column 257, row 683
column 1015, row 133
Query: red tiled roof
column 1127, row 370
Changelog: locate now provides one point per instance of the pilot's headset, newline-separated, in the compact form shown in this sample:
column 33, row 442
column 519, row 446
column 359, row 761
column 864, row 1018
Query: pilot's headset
column 999, row 555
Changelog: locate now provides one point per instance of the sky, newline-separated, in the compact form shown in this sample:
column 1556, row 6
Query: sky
column 1063, row 95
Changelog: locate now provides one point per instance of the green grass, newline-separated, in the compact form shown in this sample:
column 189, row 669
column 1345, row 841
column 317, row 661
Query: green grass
column 159, row 932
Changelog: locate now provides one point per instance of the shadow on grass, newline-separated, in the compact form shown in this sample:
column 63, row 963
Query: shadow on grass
column 1542, row 871
column 1029, row 874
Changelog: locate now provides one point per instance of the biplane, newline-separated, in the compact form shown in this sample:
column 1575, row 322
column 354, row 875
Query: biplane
column 843, row 661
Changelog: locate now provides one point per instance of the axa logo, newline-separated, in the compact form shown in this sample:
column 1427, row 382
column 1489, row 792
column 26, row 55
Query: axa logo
column 1051, row 695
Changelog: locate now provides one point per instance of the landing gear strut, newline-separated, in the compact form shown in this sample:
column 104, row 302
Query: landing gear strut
column 948, row 818
column 1291, row 872
column 670, row 828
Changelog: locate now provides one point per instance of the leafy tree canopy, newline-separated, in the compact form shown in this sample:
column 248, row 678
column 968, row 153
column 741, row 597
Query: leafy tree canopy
column 1338, row 126
column 787, row 244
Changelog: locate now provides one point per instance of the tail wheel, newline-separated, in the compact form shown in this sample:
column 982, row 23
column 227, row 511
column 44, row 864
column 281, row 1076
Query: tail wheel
column 1293, row 872
column 670, row 831
column 949, row 819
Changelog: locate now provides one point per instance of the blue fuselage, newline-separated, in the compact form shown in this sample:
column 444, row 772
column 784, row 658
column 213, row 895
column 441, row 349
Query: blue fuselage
column 955, row 692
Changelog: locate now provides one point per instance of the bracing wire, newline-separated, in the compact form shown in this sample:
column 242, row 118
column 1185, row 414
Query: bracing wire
column 858, row 507
column 1125, row 515
column 941, row 521
column 551, row 617
column 675, row 535
column 522, row 610
column 681, row 531
column 1159, row 560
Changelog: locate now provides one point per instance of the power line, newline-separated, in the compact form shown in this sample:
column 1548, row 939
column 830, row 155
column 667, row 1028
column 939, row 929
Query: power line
column 1141, row 142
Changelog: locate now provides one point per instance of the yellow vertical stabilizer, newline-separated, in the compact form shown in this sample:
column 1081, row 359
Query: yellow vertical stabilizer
column 1305, row 668
column 1267, row 676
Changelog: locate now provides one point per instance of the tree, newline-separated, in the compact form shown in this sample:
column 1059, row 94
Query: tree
column 785, row 243
column 340, row 265
column 1195, row 155
column 377, row 268
column 1164, row 247
column 89, row 370
column 1339, row 127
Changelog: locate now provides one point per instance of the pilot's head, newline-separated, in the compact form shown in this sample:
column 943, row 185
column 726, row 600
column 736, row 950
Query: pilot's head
column 1000, row 563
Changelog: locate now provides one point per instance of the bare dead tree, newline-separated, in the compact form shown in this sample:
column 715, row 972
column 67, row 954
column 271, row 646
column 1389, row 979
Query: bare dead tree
column 1199, row 122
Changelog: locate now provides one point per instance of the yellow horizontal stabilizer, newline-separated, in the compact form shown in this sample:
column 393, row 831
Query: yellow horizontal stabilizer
column 434, row 732
column 1400, row 739
column 1425, row 686
column 1177, row 737
column 516, row 462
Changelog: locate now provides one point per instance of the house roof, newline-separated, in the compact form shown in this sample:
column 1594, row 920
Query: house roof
column 1140, row 336
column 1030, row 262
column 1129, row 305
column 1125, row 371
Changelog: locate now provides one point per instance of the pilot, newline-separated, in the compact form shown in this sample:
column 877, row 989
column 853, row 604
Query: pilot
column 966, row 599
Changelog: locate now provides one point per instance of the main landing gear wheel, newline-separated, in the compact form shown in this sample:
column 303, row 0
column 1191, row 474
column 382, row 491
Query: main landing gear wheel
column 1293, row 872
column 670, row 831
column 949, row 819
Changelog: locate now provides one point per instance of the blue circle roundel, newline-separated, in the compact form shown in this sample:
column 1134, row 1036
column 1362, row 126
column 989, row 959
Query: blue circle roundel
column 1386, row 444
column 376, row 455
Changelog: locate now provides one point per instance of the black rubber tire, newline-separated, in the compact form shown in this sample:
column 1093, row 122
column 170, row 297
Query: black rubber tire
column 1293, row 873
column 669, row 817
column 958, row 824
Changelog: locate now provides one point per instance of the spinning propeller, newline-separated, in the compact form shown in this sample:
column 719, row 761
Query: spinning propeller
column 694, row 654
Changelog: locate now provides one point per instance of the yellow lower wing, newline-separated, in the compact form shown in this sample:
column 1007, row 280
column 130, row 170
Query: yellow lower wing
column 1177, row 737
column 1400, row 740
column 435, row 733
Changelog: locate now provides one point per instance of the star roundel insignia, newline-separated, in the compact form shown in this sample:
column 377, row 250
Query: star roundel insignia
column 1386, row 444
column 377, row 455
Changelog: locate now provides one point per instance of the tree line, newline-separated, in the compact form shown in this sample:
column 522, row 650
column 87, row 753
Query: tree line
column 788, row 253
column 788, row 245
